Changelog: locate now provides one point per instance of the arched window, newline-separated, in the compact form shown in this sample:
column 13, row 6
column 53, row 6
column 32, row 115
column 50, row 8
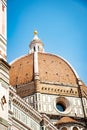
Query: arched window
column 34, row 48
column 64, row 128
column 75, row 128
column 38, row 48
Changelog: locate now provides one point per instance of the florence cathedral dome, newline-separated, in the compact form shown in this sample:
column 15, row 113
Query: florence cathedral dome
column 50, row 85
column 51, row 68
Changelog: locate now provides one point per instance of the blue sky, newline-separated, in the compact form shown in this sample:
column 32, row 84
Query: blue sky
column 61, row 25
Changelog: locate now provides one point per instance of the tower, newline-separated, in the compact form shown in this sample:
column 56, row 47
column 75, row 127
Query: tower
column 36, row 44
column 3, row 29
column 4, row 69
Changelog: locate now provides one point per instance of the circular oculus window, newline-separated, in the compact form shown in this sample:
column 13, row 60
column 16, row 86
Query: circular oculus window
column 62, row 105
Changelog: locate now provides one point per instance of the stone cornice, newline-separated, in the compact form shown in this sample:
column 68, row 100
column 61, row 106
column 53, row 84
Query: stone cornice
column 24, row 106
column 3, row 62
column 57, row 83
column 57, row 89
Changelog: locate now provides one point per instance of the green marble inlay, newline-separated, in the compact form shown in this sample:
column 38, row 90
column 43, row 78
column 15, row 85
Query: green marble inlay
column 3, row 121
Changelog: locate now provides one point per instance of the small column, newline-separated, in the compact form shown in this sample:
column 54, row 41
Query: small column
column 36, row 71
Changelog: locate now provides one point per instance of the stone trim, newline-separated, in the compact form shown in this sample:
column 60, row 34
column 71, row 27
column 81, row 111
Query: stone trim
column 57, row 83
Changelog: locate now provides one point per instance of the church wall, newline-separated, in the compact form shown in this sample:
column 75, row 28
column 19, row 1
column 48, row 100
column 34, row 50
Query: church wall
column 47, row 104
column 4, row 94
column 85, row 105
column 23, row 117
column 3, row 107
column 15, row 125
column 22, row 114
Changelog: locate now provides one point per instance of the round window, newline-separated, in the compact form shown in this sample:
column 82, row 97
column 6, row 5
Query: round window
column 60, row 106
column 75, row 128
column 63, row 105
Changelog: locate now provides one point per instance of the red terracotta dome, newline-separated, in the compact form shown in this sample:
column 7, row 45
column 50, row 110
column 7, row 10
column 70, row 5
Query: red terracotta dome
column 48, row 67
column 51, row 68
